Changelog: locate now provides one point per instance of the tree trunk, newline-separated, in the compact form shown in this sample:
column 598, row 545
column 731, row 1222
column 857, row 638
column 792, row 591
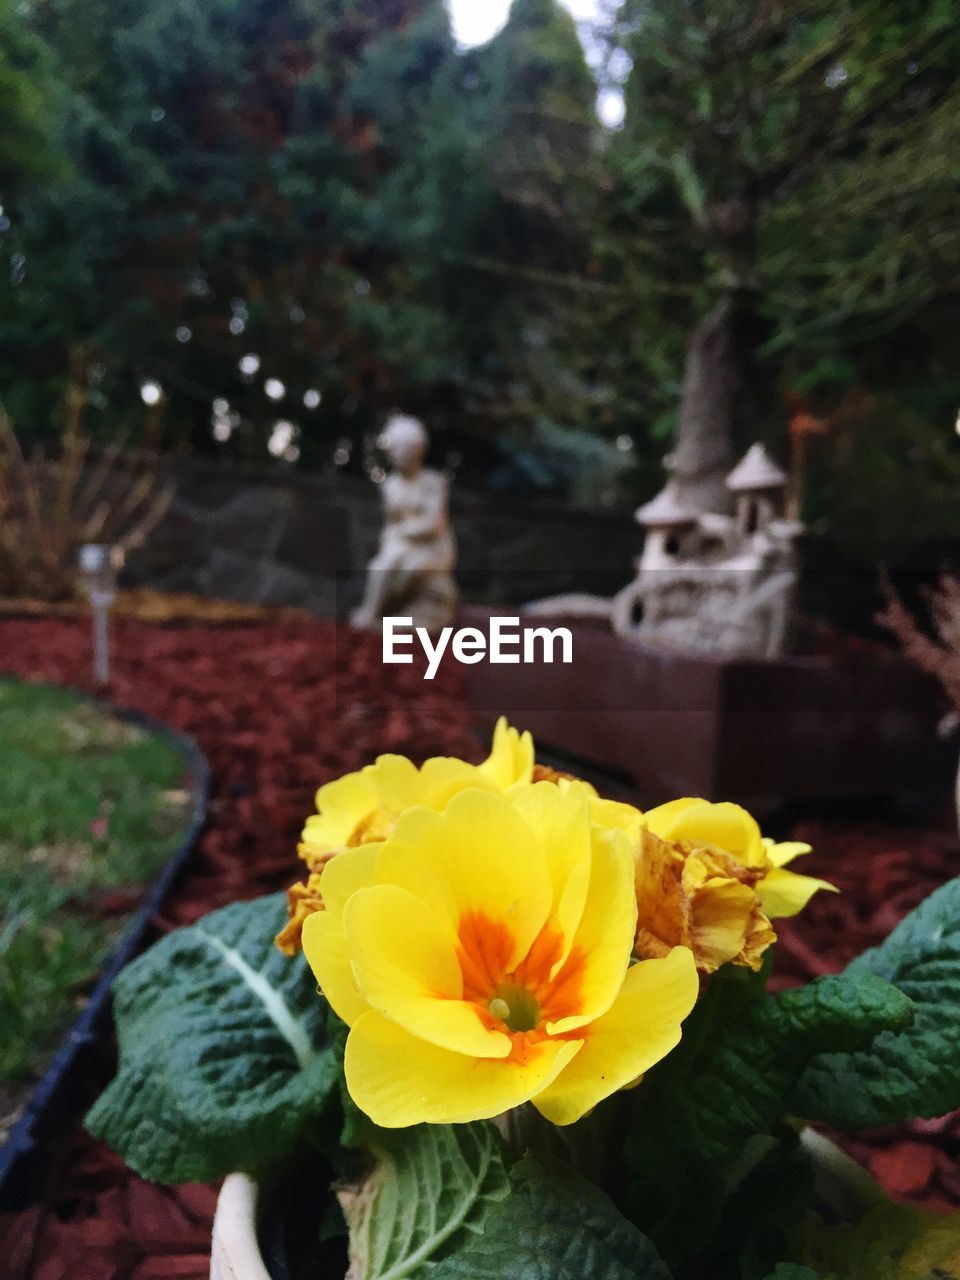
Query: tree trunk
column 703, row 454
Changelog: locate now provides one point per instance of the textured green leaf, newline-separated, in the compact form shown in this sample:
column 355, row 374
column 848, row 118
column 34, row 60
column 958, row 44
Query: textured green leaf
column 791, row 1271
column 223, row 1056
column 554, row 1226
column 915, row 1072
column 430, row 1187
column 844, row 1011
column 712, row 1110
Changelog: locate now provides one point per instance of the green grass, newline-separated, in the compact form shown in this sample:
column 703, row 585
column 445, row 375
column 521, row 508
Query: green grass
column 90, row 809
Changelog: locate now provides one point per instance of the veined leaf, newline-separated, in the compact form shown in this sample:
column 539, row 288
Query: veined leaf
column 223, row 1057
column 913, row 1072
column 554, row 1226
column 431, row 1187
column 712, row 1110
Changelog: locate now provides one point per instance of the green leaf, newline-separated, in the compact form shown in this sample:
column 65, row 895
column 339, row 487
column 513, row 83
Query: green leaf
column 431, row 1186
column 713, row 1110
column 845, row 1011
column 791, row 1271
column 915, row 1072
column 223, row 1056
column 555, row 1226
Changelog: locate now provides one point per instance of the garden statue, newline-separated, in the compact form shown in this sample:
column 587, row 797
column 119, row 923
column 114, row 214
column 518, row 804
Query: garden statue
column 713, row 583
column 412, row 573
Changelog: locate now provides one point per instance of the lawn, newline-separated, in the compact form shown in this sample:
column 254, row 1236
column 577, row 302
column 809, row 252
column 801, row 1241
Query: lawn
column 90, row 809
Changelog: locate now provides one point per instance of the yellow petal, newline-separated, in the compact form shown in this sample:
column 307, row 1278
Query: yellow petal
column 341, row 806
column 397, row 781
column 784, row 893
column 325, row 946
column 478, row 858
column 510, row 761
column 406, row 966
column 343, row 875
column 778, row 855
column 698, row 822
column 613, row 813
column 399, row 1080
column 561, row 821
column 594, row 970
column 442, row 777
column 641, row 1027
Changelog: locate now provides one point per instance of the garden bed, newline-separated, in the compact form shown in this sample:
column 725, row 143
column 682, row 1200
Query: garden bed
column 279, row 709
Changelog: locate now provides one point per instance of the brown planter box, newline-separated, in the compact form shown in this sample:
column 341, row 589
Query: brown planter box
column 761, row 732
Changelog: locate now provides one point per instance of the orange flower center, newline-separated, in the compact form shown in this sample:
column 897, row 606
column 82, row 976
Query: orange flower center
column 522, row 999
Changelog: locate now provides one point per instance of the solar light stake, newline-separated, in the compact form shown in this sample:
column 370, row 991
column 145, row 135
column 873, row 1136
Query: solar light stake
column 98, row 568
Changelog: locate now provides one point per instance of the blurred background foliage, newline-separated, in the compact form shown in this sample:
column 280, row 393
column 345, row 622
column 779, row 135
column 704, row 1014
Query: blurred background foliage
column 316, row 211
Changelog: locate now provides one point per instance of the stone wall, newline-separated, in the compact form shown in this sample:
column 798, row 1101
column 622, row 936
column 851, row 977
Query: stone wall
column 281, row 538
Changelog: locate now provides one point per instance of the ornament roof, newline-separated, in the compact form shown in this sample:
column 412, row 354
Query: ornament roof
column 755, row 470
column 664, row 511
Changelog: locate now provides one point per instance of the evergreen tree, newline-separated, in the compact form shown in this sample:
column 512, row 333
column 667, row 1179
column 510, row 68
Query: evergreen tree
column 787, row 187
column 27, row 101
column 323, row 183
column 524, row 271
column 228, row 166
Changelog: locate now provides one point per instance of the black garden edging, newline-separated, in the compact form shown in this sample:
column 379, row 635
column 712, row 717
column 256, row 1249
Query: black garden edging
column 67, row 1087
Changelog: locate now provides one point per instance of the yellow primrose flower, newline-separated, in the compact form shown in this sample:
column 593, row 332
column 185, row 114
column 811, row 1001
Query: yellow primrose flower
column 364, row 806
column 482, row 958
column 700, row 825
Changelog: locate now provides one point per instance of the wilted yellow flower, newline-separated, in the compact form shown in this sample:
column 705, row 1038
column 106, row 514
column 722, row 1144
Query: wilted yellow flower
column 698, row 825
column 702, row 899
column 302, row 900
column 482, row 958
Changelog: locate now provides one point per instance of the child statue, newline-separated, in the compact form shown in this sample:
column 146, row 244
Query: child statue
column 412, row 573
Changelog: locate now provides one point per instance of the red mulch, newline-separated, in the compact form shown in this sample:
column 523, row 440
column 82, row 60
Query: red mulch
column 280, row 708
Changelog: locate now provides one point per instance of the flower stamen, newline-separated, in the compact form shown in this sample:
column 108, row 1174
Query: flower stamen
column 515, row 1006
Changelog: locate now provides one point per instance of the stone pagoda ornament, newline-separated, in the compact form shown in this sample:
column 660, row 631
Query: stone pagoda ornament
column 411, row 575
column 712, row 583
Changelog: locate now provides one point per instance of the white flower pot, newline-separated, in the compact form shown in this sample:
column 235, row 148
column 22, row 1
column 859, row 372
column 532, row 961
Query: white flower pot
column 235, row 1254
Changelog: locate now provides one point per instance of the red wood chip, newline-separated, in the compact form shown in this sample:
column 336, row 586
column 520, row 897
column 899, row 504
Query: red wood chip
column 198, row 1201
column 906, row 1167
column 188, row 1266
column 17, row 1235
